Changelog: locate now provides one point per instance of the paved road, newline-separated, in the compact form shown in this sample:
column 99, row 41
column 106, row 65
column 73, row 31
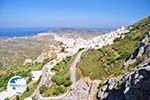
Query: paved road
column 73, row 66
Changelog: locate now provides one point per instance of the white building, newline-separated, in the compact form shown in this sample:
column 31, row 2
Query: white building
column 36, row 75
column 73, row 45
column 6, row 94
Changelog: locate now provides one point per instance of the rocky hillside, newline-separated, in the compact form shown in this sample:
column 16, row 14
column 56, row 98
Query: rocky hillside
column 84, row 89
column 133, row 86
column 123, row 67
column 109, row 61
column 136, row 84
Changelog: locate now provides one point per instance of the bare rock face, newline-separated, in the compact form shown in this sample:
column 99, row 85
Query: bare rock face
column 41, row 58
column 133, row 86
column 138, row 51
column 83, row 90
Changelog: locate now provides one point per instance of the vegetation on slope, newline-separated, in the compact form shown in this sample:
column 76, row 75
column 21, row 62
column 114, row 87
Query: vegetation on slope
column 60, row 81
column 13, row 53
column 21, row 70
column 108, row 61
column 30, row 90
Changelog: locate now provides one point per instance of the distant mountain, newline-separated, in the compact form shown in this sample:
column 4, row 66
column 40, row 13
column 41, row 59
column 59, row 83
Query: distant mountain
column 82, row 30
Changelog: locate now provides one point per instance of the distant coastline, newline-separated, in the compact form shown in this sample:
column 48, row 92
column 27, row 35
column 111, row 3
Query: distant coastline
column 29, row 32
column 20, row 32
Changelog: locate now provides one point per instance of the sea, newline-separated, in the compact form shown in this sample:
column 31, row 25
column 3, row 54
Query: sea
column 20, row 32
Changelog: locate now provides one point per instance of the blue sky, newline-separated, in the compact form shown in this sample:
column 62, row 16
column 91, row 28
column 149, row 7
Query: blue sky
column 72, row 13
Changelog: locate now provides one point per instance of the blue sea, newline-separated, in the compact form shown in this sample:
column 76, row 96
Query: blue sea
column 20, row 32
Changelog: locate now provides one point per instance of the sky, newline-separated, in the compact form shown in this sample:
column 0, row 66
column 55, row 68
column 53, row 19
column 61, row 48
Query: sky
column 72, row 13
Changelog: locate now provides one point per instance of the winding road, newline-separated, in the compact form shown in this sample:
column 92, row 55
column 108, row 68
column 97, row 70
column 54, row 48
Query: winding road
column 73, row 66
column 46, row 75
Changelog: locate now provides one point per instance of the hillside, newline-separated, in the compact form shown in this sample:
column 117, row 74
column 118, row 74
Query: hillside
column 109, row 60
column 134, row 85
column 113, row 65
column 13, row 53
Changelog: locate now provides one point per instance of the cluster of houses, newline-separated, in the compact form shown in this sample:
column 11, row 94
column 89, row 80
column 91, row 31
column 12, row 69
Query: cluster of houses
column 73, row 45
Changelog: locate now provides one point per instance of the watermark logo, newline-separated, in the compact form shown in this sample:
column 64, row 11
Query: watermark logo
column 17, row 85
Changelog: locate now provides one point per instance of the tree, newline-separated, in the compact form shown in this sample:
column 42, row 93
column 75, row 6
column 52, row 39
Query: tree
column 67, row 83
column 27, row 89
column 17, row 97
column 63, row 49
column 117, row 39
column 59, row 80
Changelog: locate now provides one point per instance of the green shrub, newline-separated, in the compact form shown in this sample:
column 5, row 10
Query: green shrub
column 61, row 80
column 63, row 49
column 6, row 99
column 17, row 98
column 124, row 55
column 67, row 83
column 80, row 49
column 59, row 90
column 117, row 39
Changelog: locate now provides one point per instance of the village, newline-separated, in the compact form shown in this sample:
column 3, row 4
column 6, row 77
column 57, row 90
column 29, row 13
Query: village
column 65, row 47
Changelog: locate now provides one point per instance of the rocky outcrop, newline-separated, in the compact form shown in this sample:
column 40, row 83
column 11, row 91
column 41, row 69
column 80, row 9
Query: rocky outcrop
column 84, row 89
column 27, row 61
column 48, row 53
column 139, row 51
column 133, row 86
column 41, row 58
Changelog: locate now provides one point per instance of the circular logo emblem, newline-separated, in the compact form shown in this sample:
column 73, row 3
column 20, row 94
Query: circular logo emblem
column 17, row 85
